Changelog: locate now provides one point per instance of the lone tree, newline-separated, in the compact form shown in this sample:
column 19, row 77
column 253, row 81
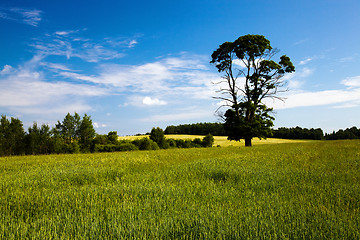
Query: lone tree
column 250, row 76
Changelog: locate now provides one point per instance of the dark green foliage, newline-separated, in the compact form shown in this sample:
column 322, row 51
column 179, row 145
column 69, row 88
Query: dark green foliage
column 145, row 144
column 215, row 129
column 77, row 134
column 180, row 143
column 38, row 140
column 124, row 146
column 69, row 127
column 72, row 147
column 127, row 146
column 157, row 135
column 298, row 133
column 208, row 141
column 86, row 133
column 248, row 117
column 349, row 133
column 239, row 128
column 197, row 142
column 101, row 139
column 11, row 137
column 171, row 142
column 112, row 137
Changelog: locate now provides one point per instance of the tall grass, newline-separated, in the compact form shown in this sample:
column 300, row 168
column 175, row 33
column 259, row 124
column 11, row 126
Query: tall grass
column 280, row 191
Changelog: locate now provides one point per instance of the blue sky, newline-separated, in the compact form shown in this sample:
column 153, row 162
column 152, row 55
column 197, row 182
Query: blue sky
column 134, row 65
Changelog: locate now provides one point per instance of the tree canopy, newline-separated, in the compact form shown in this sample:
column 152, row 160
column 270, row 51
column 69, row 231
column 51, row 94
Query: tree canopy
column 249, row 76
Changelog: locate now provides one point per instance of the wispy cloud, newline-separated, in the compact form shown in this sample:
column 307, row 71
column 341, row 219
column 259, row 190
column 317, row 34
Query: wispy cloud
column 352, row 82
column 346, row 97
column 171, row 79
column 301, row 41
column 6, row 70
column 30, row 17
column 71, row 45
column 346, row 59
column 25, row 89
column 132, row 43
column 303, row 62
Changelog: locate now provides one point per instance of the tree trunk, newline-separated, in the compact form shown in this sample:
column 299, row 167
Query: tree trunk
column 248, row 142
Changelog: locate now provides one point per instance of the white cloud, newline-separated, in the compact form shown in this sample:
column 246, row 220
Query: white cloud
column 27, row 16
column 173, row 77
column 341, row 98
column 303, row 62
column 27, row 90
column 153, row 101
column 352, row 81
column 132, row 43
column 6, row 70
column 56, row 66
column 64, row 33
column 305, row 72
column 297, row 79
column 78, row 76
column 294, row 84
column 69, row 44
column 306, row 99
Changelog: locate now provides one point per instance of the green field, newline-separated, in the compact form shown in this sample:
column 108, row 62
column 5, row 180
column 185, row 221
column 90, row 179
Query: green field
column 300, row 190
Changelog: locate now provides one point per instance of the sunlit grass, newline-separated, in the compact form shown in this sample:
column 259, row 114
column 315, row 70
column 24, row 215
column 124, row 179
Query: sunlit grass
column 305, row 190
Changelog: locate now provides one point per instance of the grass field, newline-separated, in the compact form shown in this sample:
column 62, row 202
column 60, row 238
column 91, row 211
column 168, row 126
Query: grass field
column 308, row 190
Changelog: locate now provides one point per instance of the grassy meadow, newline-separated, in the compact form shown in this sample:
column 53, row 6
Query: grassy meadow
column 295, row 190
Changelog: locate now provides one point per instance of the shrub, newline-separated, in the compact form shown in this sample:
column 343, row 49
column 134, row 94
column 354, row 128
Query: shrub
column 146, row 144
column 171, row 142
column 127, row 146
column 208, row 141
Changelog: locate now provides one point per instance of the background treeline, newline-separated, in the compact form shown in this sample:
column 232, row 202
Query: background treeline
column 77, row 135
column 316, row 134
column 215, row 129
column 349, row 133
column 298, row 133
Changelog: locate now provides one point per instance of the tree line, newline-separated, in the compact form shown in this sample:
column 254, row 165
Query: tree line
column 74, row 134
column 217, row 129
column 77, row 135
column 316, row 134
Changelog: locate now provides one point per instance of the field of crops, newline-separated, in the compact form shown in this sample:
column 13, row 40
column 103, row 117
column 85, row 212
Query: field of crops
column 302, row 190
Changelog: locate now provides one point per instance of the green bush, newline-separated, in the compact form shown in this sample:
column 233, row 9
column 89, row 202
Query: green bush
column 128, row 146
column 146, row 144
column 208, row 141
column 171, row 142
